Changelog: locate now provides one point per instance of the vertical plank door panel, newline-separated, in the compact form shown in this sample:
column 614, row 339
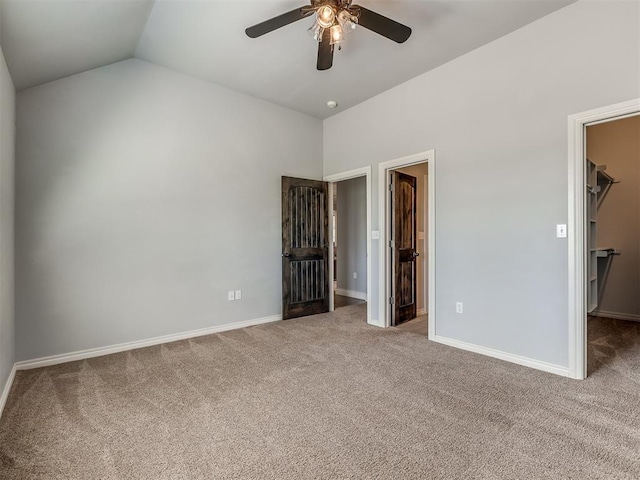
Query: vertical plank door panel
column 305, row 260
column 403, row 224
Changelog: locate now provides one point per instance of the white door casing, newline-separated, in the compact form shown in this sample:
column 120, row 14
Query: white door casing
column 576, row 227
column 384, row 287
column 332, row 179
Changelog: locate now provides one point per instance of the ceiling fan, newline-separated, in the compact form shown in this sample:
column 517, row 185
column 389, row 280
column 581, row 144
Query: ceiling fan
column 334, row 19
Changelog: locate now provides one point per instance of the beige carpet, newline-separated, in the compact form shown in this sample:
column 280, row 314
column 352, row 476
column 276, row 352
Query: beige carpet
column 325, row 397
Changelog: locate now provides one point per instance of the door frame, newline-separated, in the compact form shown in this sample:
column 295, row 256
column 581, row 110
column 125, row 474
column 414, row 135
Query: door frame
column 425, row 249
column 332, row 180
column 576, row 227
column 384, row 222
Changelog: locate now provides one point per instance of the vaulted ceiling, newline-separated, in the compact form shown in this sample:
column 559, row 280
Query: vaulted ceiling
column 44, row 40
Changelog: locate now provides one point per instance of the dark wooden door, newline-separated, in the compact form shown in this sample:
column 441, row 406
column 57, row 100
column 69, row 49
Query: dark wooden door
column 403, row 226
column 305, row 252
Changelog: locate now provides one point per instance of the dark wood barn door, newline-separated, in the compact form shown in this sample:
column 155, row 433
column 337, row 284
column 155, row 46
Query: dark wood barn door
column 403, row 225
column 305, row 253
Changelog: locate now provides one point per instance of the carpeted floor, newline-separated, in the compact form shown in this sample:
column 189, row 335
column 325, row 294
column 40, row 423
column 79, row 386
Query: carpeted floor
column 325, row 397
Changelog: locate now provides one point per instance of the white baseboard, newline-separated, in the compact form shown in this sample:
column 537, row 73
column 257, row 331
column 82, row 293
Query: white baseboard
column 376, row 323
column 122, row 347
column 7, row 389
column 351, row 293
column 421, row 311
column 617, row 316
column 509, row 357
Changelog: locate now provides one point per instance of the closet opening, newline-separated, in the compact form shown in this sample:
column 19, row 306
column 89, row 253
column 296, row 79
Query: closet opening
column 612, row 233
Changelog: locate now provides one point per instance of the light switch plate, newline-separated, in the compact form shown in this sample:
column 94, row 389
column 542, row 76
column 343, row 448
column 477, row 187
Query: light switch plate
column 561, row 230
column 375, row 235
column 238, row 294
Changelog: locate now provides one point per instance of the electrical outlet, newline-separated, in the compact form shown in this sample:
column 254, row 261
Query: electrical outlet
column 355, row 275
column 231, row 295
column 459, row 307
column 238, row 294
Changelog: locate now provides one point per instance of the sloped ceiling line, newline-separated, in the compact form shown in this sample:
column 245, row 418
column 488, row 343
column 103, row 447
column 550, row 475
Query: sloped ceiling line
column 45, row 40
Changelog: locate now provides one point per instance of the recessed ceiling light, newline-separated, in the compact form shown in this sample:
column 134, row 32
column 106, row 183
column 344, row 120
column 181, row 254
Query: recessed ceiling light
column 332, row 104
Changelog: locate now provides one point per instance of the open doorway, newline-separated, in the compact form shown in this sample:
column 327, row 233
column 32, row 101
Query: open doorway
column 407, row 267
column 349, row 237
column 591, row 182
column 612, row 219
column 409, row 231
column 347, row 291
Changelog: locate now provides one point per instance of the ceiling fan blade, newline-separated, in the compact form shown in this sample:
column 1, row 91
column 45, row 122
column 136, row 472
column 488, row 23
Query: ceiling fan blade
column 382, row 25
column 279, row 21
column 325, row 51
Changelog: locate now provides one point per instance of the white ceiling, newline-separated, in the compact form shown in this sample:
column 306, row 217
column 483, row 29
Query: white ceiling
column 44, row 40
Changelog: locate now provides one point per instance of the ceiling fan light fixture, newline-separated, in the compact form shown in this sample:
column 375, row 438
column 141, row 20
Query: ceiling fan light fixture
column 325, row 16
column 347, row 21
column 337, row 35
column 316, row 31
column 333, row 19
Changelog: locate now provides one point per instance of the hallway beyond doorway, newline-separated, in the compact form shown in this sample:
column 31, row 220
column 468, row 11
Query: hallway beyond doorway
column 342, row 301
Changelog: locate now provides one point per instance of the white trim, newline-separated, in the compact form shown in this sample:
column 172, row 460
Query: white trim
column 7, row 389
column 338, row 177
column 330, row 253
column 618, row 316
column 425, row 248
column 431, row 242
column 576, row 227
column 376, row 323
column 509, row 357
column 122, row 347
column 383, row 270
column 348, row 175
column 351, row 293
column 429, row 158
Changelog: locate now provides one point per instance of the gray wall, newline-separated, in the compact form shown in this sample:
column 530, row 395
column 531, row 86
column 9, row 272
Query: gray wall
column 352, row 235
column 419, row 171
column 617, row 145
column 144, row 195
column 497, row 118
column 7, row 136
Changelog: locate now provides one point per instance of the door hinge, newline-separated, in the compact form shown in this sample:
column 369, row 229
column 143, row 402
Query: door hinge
column 390, row 243
column 391, row 187
column 391, row 300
